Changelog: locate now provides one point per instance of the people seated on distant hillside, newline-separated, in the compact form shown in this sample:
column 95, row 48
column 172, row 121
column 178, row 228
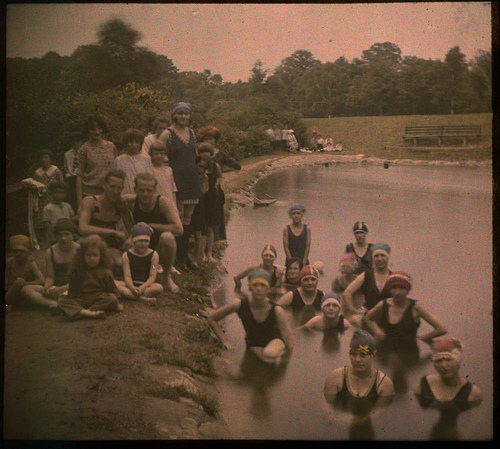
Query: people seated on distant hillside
column 96, row 157
column 291, row 140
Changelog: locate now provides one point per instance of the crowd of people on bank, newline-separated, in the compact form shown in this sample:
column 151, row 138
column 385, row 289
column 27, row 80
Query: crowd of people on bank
column 135, row 212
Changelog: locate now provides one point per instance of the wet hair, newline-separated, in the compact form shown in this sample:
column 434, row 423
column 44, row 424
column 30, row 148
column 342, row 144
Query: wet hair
column 289, row 262
column 205, row 147
column 75, row 136
column 132, row 135
column 145, row 177
column 90, row 123
column 114, row 173
column 92, row 241
column 46, row 152
column 58, row 185
column 157, row 146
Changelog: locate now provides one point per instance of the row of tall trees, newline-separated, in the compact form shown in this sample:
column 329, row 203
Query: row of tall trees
column 382, row 82
column 127, row 83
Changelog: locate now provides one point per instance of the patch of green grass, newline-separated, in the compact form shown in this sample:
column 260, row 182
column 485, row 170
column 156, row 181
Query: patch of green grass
column 382, row 136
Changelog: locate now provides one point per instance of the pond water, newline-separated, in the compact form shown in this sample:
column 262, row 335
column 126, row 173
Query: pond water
column 438, row 222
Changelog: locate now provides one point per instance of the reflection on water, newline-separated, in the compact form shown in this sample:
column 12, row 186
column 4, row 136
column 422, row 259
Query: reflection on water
column 438, row 223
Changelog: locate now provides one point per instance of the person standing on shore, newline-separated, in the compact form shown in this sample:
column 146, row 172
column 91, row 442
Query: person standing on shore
column 181, row 143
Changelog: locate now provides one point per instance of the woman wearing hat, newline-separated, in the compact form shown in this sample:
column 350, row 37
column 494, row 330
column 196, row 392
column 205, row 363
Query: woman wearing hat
column 447, row 388
column 360, row 248
column 371, row 283
column 211, row 135
column 305, row 295
column 20, row 270
column 267, row 333
column 181, row 144
column 394, row 321
column 268, row 255
column 361, row 381
column 58, row 260
column 331, row 318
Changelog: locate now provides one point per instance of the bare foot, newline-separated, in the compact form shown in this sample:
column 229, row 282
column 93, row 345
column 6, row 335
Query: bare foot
column 119, row 307
column 211, row 259
column 149, row 300
column 170, row 285
column 175, row 271
column 99, row 315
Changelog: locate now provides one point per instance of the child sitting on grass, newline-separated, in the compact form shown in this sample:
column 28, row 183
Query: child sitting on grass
column 20, row 271
column 92, row 290
column 132, row 162
column 140, row 268
column 58, row 260
column 162, row 171
column 297, row 236
column 56, row 209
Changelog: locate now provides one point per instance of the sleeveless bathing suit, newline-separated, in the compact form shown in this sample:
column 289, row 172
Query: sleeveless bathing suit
column 297, row 244
column 427, row 398
column 61, row 271
column 404, row 331
column 96, row 220
column 140, row 266
column 371, row 291
column 182, row 159
column 153, row 216
column 365, row 262
column 345, row 395
column 298, row 302
column 258, row 334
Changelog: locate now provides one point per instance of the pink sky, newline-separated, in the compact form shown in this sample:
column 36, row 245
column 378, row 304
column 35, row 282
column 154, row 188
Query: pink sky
column 229, row 38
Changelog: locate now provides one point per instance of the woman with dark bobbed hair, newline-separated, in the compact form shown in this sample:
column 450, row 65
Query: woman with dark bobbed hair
column 95, row 159
column 211, row 135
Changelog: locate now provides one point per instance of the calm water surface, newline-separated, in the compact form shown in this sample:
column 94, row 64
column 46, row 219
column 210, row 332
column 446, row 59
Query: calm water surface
column 438, row 222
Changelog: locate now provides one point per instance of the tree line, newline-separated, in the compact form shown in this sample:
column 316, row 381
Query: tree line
column 127, row 83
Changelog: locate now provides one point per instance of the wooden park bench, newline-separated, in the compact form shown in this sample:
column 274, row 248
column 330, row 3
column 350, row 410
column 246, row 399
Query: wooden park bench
column 464, row 132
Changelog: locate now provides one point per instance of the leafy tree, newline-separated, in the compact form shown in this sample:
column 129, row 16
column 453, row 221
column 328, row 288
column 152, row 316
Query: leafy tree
column 455, row 73
column 291, row 69
column 481, row 80
column 386, row 51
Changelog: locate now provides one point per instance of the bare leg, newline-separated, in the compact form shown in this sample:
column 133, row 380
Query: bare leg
column 33, row 293
column 84, row 313
column 166, row 249
column 151, row 293
column 188, row 213
column 198, row 248
column 210, row 243
column 272, row 353
column 124, row 291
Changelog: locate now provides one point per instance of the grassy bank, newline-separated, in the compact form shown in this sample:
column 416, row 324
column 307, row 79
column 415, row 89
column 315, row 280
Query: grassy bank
column 382, row 136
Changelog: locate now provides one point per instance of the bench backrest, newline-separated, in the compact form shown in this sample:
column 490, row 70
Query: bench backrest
column 448, row 130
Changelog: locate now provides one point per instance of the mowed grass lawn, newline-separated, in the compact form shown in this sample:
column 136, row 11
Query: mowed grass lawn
column 382, row 136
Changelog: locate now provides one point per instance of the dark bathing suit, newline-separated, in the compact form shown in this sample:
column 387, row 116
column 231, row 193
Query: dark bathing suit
column 61, row 271
column 153, row 216
column 345, row 395
column 371, row 291
column 427, row 398
column 404, row 331
column 140, row 266
column 298, row 302
column 297, row 244
column 365, row 262
column 258, row 334
column 96, row 220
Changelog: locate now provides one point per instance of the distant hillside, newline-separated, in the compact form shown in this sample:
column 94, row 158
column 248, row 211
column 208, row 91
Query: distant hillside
column 369, row 135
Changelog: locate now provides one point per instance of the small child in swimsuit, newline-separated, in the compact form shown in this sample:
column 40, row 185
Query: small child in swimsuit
column 297, row 236
column 140, row 268
column 20, row 270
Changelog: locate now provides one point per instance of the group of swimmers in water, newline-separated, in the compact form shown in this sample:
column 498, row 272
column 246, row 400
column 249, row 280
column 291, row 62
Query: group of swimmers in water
column 367, row 296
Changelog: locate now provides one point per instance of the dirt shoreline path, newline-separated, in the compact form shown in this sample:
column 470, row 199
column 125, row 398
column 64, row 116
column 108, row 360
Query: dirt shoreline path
column 143, row 374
